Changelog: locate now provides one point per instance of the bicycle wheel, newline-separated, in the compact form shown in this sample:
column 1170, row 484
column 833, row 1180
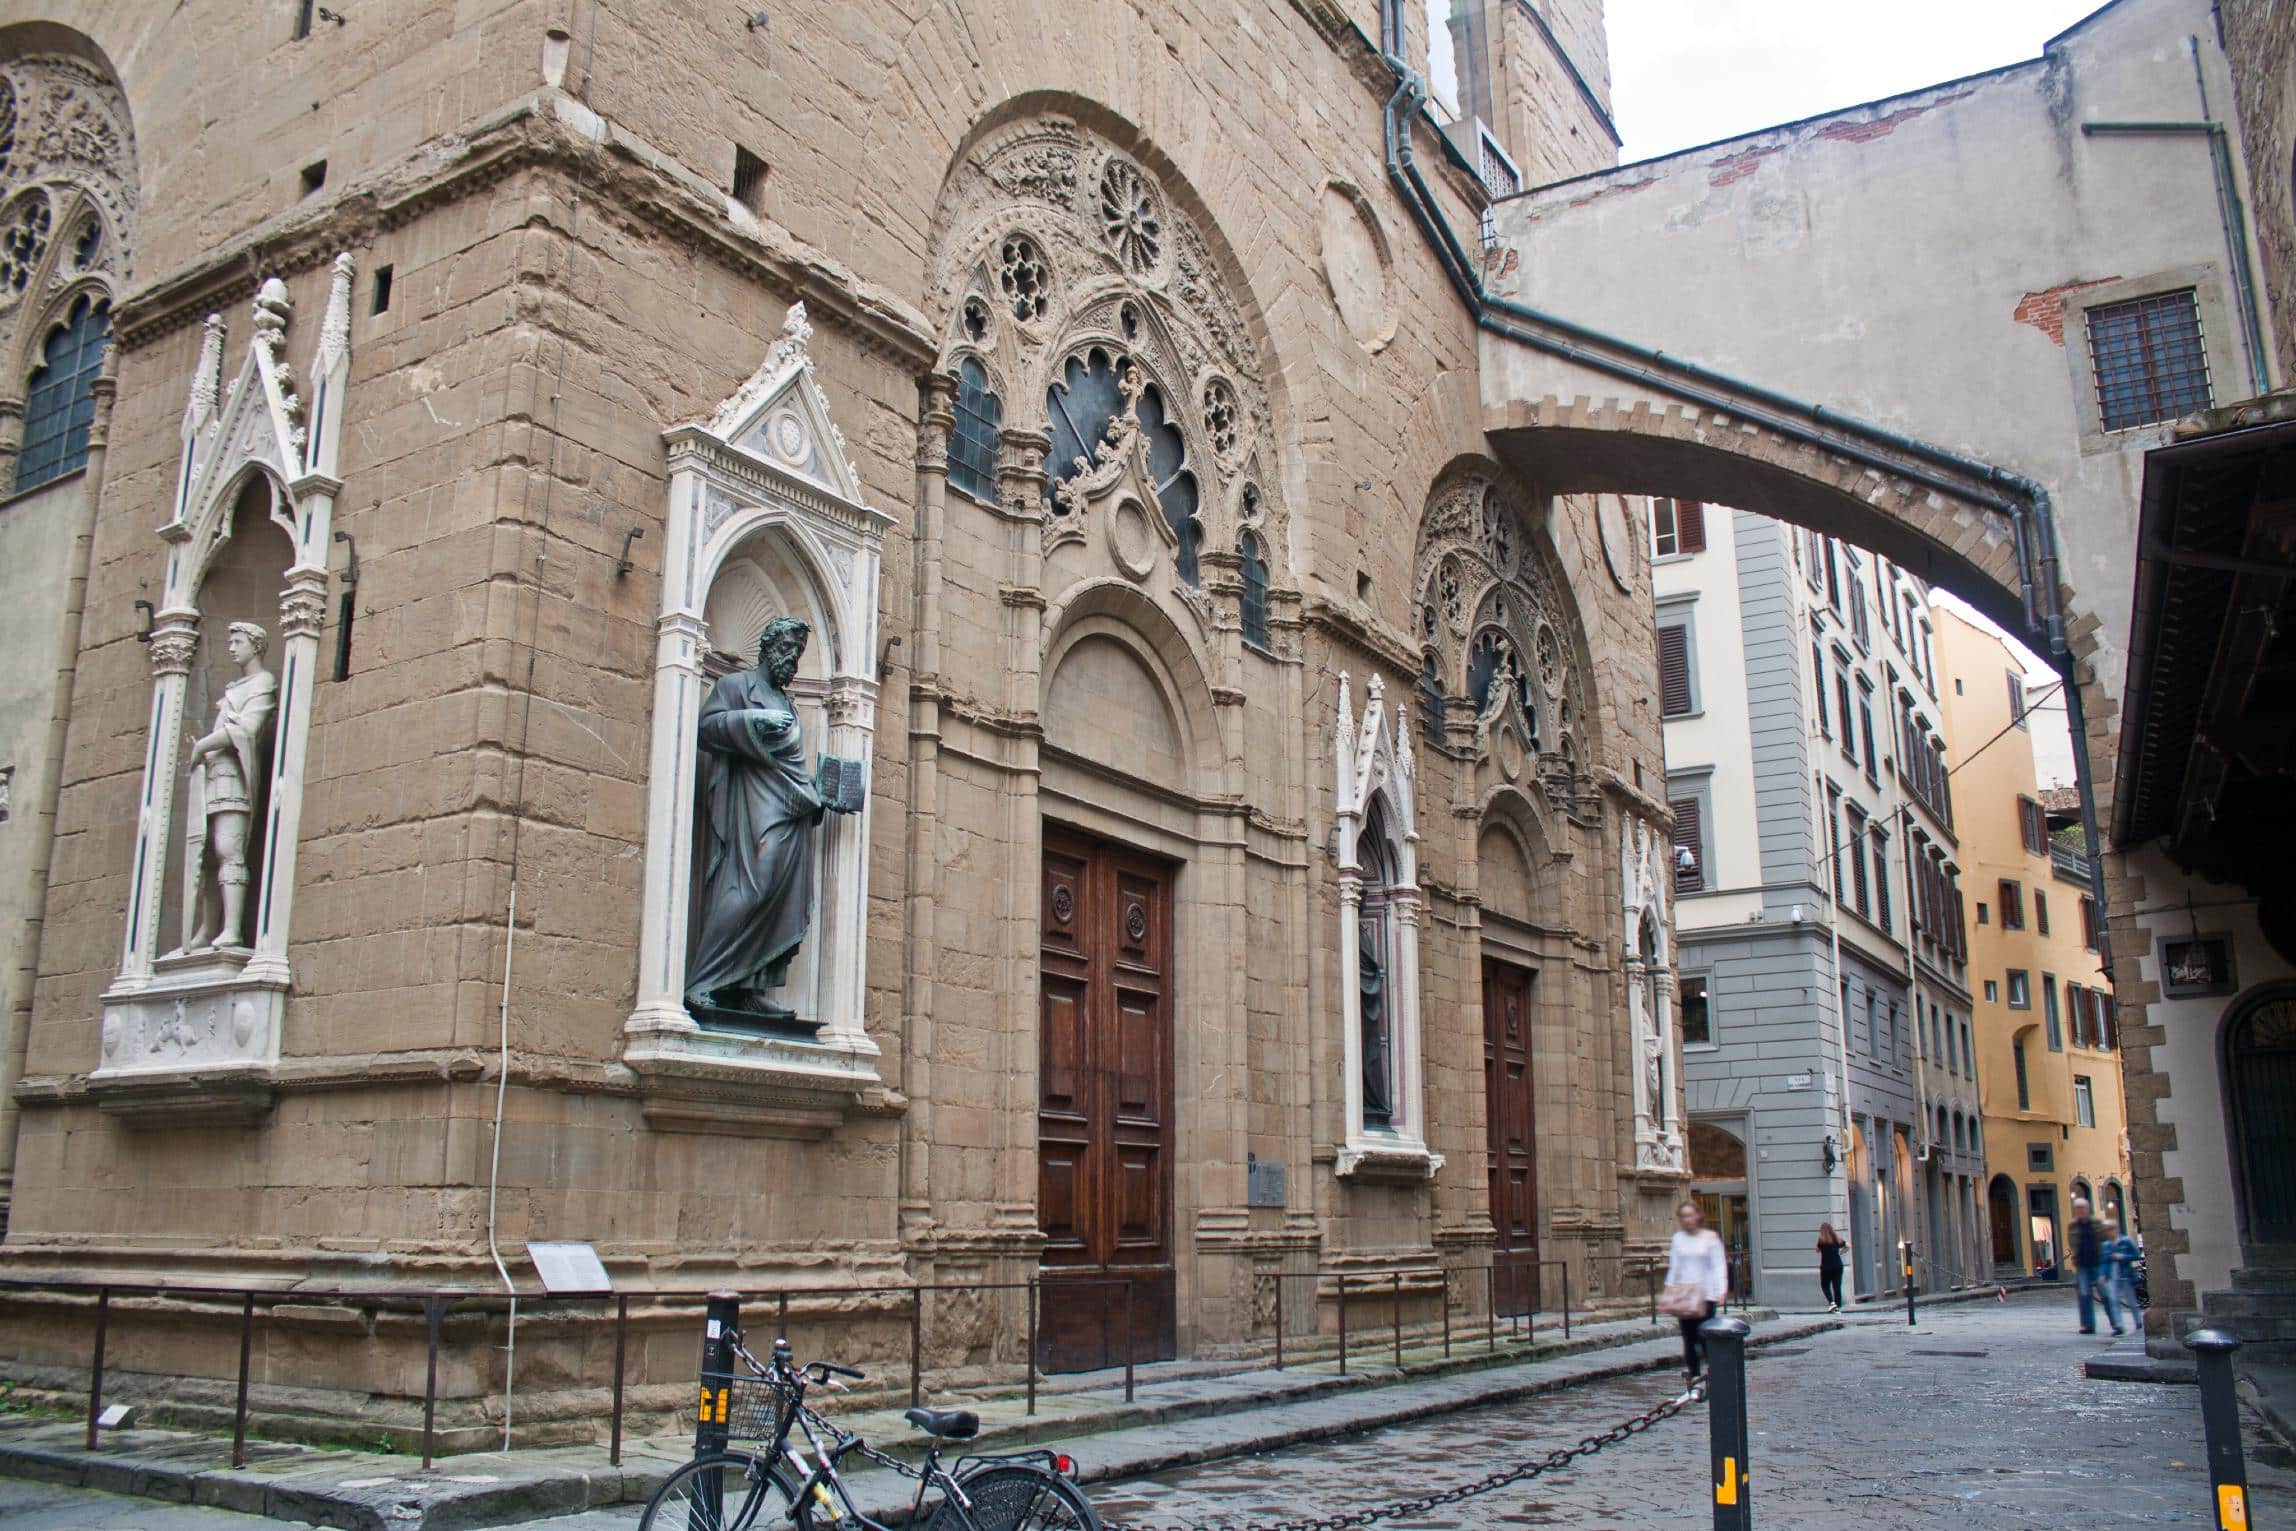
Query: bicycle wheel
column 1016, row 1498
column 732, row 1492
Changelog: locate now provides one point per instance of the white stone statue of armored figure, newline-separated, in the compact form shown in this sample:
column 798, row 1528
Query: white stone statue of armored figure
column 761, row 808
column 229, row 773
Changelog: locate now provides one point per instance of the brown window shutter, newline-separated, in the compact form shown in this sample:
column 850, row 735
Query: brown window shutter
column 1688, row 832
column 1690, row 526
column 1673, row 671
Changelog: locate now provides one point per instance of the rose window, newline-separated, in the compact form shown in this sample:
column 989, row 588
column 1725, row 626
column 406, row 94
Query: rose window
column 1129, row 220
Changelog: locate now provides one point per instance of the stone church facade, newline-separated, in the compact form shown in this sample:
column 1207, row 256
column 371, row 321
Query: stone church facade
column 1260, row 873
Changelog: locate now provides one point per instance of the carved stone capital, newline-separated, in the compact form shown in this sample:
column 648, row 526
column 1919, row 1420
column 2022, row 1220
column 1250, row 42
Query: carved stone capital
column 303, row 604
column 174, row 644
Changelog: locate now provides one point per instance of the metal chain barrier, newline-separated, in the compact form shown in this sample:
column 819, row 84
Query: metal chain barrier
column 1522, row 1472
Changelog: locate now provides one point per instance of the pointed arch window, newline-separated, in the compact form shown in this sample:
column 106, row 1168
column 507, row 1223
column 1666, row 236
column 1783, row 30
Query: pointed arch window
column 973, row 441
column 1431, row 702
column 1080, row 408
column 1255, row 599
column 60, row 404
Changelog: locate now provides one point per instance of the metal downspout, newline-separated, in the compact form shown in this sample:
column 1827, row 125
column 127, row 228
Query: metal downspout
column 2024, row 501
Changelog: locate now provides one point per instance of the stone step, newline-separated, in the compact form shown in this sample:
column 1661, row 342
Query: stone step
column 2269, row 1257
column 2249, row 1305
column 2264, row 1278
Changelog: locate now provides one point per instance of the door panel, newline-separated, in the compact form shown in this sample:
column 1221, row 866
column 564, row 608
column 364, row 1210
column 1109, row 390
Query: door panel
column 1105, row 1109
column 1510, row 1113
column 2262, row 1075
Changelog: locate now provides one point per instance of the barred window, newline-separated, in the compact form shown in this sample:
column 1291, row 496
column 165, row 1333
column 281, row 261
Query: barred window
column 60, row 404
column 973, row 442
column 2150, row 361
column 1255, row 598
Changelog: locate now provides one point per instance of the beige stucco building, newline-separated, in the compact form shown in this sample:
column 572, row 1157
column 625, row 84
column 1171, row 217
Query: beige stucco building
column 1261, row 868
column 2045, row 1015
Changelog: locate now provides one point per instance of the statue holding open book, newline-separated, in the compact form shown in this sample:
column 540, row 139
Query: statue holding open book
column 760, row 813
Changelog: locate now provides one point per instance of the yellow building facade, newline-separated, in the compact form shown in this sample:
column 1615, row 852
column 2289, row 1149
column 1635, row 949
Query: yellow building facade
column 2046, row 1036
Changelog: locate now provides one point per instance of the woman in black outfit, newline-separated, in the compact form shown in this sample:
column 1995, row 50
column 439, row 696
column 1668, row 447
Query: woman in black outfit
column 1831, row 1247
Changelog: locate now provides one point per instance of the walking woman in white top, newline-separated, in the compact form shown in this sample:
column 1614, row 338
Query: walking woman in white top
column 1697, row 1278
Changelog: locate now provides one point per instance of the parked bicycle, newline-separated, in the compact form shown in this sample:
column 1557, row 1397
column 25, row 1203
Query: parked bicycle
column 794, row 1477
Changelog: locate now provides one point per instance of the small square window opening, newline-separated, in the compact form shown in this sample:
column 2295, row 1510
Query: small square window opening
column 748, row 179
column 314, row 176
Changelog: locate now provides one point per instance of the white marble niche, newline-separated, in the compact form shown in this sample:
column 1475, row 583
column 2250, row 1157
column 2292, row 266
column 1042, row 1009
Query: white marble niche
column 765, row 518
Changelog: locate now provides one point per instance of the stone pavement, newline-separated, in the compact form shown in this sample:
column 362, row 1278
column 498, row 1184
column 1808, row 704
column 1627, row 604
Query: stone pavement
column 1183, row 1415
column 1979, row 1417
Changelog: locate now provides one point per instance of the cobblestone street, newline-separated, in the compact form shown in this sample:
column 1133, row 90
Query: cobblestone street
column 1979, row 1417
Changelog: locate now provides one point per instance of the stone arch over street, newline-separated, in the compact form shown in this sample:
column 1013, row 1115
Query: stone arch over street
column 1982, row 537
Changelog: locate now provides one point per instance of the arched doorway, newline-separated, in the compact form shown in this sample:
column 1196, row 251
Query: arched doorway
column 2260, row 1078
column 1720, row 1181
column 2001, row 1211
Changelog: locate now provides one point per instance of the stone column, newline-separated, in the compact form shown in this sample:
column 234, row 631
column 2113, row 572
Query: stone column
column 302, row 610
column 841, row 906
column 937, row 418
column 678, row 646
column 1020, row 501
column 1410, row 1082
column 174, row 644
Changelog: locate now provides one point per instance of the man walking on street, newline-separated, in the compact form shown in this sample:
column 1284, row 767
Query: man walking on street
column 2089, row 1269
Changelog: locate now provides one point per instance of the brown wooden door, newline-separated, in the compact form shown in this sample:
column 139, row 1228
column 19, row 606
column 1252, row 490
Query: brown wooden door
column 1514, row 1143
column 1104, row 1113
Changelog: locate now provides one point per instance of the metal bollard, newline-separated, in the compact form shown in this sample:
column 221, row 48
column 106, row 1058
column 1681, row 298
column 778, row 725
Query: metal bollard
column 916, row 1346
column 1906, row 1249
column 1725, row 1340
column 2220, row 1420
column 1395, row 1290
column 96, row 1365
column 721, row 1321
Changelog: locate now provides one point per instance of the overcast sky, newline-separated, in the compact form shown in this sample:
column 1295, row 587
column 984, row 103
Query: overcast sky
column 1687, row 72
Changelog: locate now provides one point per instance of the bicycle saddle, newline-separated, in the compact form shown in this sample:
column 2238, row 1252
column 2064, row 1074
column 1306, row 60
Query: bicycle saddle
column 947, row 1424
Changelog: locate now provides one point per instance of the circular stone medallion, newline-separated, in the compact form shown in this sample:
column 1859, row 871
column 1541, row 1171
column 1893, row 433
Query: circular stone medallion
column 1616, row 529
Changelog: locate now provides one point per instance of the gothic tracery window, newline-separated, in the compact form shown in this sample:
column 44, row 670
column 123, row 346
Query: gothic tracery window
column 1082, row 406
column 67, row 154
column 1495, row 625
column 1065, row 264
column 973, row 443
column 60, row 403
column 1254, row 559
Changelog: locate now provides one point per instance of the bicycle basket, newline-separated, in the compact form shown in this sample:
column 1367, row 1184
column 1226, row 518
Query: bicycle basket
column 750, row 1410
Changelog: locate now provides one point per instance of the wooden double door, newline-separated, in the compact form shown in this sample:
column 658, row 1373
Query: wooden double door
column 1510, row 1111
column 1104, row 1110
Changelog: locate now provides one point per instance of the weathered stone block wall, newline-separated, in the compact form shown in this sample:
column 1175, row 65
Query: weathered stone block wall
column 567, row 282
column 2260, row 44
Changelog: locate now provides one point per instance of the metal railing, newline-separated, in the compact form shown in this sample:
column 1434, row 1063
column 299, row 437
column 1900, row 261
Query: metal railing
column 1505, row 1280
